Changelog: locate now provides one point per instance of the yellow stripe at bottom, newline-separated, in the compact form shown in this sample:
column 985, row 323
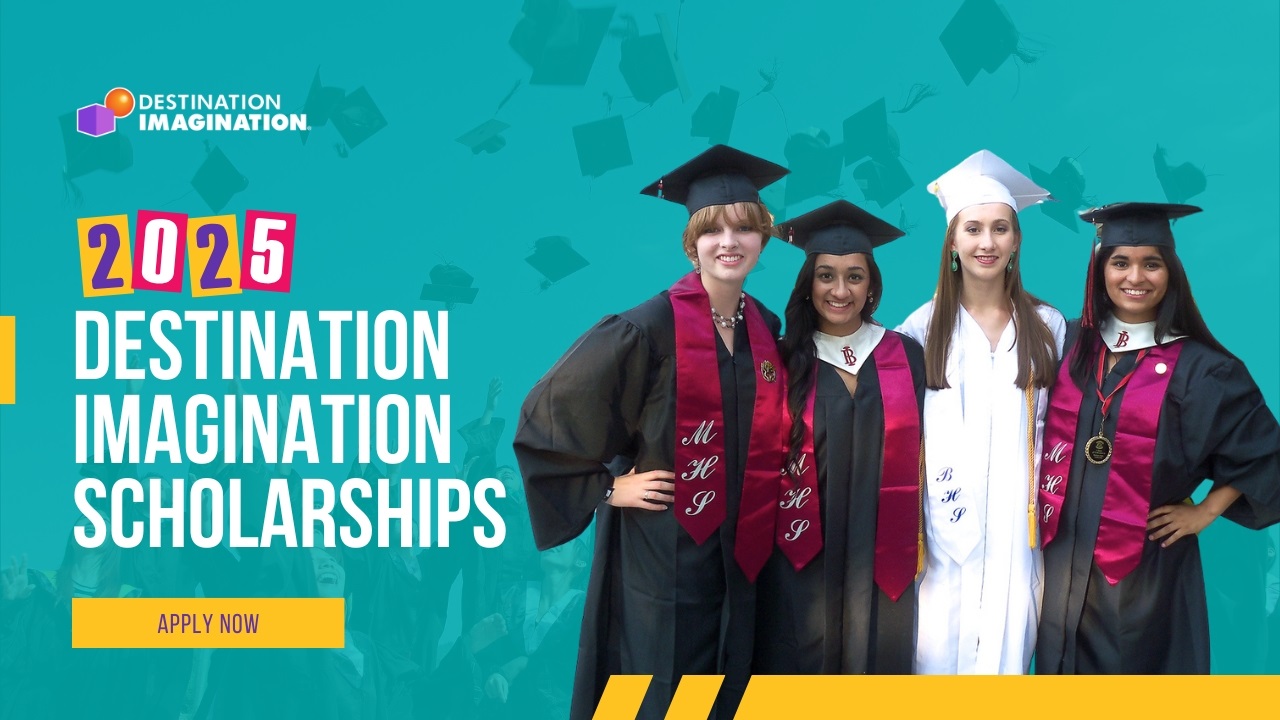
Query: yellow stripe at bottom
column 1039, row 696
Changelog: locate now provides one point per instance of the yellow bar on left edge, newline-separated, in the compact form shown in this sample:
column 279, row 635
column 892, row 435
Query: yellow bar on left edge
column 207, row 622
column 8, row 359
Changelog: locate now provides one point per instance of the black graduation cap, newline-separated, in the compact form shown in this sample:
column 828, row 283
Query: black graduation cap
column 882, row 182
column 1136, row 223
column 867, row 134
column 650, row 67
column 555, row 258
column 112, row 152
column 602, row 146
column 559, row 41
column 450, row 284
column 320, row 102
column 218, row 180
column 815, row 165
column 357, row 118
column 1180, row 182
column 1066, row 185
column 719, row 176
column 713, row 119
column 981, row 36
column 485, row 137
column 837, row 228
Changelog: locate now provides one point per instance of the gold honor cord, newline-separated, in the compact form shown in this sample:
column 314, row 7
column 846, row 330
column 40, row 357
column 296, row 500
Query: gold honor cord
column 1031, row 463
column 920, row 511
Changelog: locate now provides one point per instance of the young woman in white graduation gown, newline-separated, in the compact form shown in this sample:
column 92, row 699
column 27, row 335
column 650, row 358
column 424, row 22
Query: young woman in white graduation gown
column 991, row 352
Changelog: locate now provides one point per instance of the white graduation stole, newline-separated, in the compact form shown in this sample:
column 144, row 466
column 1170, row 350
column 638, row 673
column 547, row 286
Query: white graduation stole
column 958, row 442
column 849, row 352
column 1127, row 337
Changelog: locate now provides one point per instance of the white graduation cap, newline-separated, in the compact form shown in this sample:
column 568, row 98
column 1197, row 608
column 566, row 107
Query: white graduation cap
column 984, row 178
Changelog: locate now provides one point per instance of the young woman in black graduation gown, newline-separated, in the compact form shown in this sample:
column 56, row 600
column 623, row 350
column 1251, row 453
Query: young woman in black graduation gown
column 1124, row 588
column 690, row 381
column 851, row 608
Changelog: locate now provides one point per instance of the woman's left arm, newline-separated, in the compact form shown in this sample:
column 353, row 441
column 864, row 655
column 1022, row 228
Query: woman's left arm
column 1228, row 432
column 1171, row 523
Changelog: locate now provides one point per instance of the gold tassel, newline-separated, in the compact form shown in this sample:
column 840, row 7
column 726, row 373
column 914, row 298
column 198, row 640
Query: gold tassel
column 1031, row 463
column 920, row 513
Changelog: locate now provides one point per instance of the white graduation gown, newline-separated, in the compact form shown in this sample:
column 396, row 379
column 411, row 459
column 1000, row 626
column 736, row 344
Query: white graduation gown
column 981, row 591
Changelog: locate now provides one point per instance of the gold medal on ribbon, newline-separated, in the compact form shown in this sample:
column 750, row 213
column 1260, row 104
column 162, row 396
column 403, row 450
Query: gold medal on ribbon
column 1098, row 449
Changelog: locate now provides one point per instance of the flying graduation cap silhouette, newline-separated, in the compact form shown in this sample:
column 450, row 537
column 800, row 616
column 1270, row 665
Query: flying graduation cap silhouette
column 980, row 36
column 713, row 119
column 450, row 285
column 1066, row 185
column 485, row 137
column 357, row 118
column 558, row 41
column 867, row 134
column 555, row 259
column 650, row 67
column 321, row 100
column 84, row 154
column 882, row 181
column 602, row 146
column 815, row 165
column 217, row 180
column 1179, row 182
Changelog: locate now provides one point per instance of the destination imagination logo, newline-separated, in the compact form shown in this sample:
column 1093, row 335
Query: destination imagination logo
column 189, row 112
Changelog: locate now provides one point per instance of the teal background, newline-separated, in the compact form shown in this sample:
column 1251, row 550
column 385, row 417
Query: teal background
column 1104, row 83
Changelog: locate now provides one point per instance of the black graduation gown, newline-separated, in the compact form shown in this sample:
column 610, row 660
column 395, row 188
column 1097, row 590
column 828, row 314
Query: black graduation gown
column 830, row 617
column 1213, row 424
column 657, row 602
column 541, row 691
column 42, row 676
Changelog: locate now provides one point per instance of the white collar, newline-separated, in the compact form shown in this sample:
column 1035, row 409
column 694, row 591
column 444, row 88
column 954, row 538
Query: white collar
column 1124, row 337
column 848, row 353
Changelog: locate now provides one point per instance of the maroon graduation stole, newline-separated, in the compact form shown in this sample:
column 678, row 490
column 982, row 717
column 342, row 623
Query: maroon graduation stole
column 1122, row 529
column 799, row 532
column 700, row 476
column 898, row 516
column 898, row 543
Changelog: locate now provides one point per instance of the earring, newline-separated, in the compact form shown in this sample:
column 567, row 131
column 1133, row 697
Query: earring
column 954, row 257
column 1009, row 267
column 697, row 268
column 870, row 298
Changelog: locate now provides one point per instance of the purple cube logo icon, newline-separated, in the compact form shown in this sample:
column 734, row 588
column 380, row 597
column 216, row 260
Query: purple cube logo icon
column 95, row 120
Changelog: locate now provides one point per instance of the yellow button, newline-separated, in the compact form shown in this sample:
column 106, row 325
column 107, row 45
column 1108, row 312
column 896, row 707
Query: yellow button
column 207, row 622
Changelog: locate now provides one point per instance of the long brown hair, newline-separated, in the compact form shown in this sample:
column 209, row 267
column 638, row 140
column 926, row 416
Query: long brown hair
column 798, row 349
column 1177, row 314
column 1037, row 350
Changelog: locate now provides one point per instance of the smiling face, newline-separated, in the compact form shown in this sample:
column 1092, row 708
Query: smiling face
column 1137, row 279
column 728, row 247
column 840, row 285
column 331, row 579
column 985, row 239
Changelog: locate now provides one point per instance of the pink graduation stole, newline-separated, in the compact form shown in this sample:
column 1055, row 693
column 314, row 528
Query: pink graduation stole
column 898, row 507
column 700, row 476
column 1122, row 530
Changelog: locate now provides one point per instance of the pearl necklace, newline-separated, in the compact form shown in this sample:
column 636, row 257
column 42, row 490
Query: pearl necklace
column 730, row 322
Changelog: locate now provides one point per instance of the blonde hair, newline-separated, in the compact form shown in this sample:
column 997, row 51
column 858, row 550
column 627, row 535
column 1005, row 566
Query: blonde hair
column 752, row 213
